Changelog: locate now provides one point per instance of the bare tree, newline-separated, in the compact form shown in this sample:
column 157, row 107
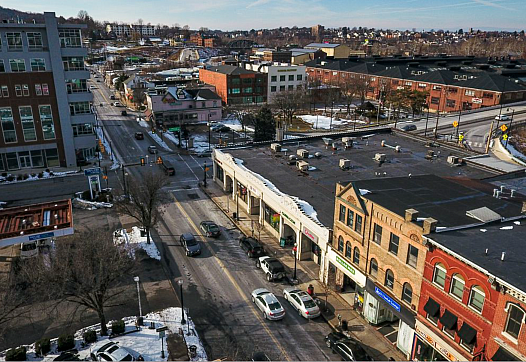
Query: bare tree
column 88, row 270
column 11, row 303
column 145, row 199
column 288, row 103
column 258, row 226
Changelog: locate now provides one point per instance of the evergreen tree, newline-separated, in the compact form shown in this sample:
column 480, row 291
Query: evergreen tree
column 264, row 125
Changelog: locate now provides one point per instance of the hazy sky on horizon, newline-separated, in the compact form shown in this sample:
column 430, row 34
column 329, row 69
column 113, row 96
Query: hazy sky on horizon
column 257, row 14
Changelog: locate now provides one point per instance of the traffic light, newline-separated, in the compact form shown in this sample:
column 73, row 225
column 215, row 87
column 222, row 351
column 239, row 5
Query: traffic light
column 159, row 160
column 153, row 130
column 143, row 161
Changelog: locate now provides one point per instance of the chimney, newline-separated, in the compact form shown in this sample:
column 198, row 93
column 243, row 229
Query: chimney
column 410, row 215
column 430, row 225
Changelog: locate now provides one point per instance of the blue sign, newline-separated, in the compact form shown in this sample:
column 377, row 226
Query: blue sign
column 92, row 171
column 41, row 236
column 387, row 298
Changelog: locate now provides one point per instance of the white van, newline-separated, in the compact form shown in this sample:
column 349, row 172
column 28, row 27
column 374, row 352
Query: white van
column 33, row 248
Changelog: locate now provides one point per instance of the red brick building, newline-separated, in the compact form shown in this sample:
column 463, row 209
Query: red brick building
column 236, row 85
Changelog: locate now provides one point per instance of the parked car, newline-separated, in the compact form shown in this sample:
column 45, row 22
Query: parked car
column 210, row 229
column 220, row 128
column 272, row 268
column 152, row 149
column 502, row 117
column 268, row 304
column 112, row 97
column 190, row 244
column 251, row 246
column 409, row 127
column 111, row 351
column 302, row 302
column 98, row 80
column 348, row 348
column 139, row 135
column 260, row 356
column 124, row 113
column 117, row 104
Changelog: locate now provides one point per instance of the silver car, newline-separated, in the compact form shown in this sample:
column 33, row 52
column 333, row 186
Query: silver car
column 268, row 304
column 302, row 302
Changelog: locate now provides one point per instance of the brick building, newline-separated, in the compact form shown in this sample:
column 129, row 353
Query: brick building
column 45, row 103
column 279, row 56
column 236, row 85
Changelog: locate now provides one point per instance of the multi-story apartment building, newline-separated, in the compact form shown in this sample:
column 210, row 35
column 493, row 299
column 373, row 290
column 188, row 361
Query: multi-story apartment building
column 129, row 29
column 236, row 85
column 45, row 103
column 280, row 77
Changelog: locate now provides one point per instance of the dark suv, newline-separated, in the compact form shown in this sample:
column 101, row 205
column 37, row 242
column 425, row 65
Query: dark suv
column 190, row 244
column 251, row 246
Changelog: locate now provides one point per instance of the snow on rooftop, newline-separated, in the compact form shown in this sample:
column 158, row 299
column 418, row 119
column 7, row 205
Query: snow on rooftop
column 364, row 191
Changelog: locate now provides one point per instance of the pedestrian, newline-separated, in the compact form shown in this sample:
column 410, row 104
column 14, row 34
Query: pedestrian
column 310, row 290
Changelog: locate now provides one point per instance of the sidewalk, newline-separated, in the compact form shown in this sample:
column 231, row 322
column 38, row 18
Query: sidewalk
column 376, row 344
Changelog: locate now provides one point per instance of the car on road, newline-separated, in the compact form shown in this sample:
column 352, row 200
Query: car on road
column 409, row 127
column 98, row 80
column 112, row 97
column 111, row 351
column 152, row 150
column 117, row 104
column 139, row 135
column 124, row 113
column 302, row 302
column 502, row 117
column 220, row 128
column 272, row 268
column 348, row 348
column 190, row 244
column 210, row 229
column 268, row 304
column 251, row 246
column 92, row 87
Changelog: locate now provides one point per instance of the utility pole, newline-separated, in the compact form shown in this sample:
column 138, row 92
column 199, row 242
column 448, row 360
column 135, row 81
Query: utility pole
column 204, row 177
column 489, row 136
column 509, row 132
column 427, row 120
column 458, row 123
column 436, row 125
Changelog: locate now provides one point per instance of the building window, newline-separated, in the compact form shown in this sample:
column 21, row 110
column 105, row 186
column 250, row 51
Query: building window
column 281, row 88
column 236, row 90
column 247, row 90
column 52, row 157
column 70, row 38
column 350, row 218
column 34, row 41
column 422, row 85
column 273, row 88
column 515, row 320
column 79, row 108
column 389, row 279
column 437, row 87
column 272, row 217
column 487, row 95
column 290, row 87
column 83, row 129
column 470, row 92
column 236, row 81
column 18, row 90
column 377, row 237
column 373, row 269
column 291, row 77
column 38, row 65
column 5, row 91
column 450, row 103
column 439, row 275
column 476, row 298
column 38, row 89
column 340, row 244
column 299, row 77
column 407, row 293
column 274, row 78
column 8, row 125
column 25, row 90
column 46, row 121
column 45, row 89
column 76, row 85
column 435, row 100
column 341, row 217
column 2, row 66
column 356, row 256
column 457, row 286
column 14, row 41
column 247, row 80
column 358, row 225
column 281, row 78
column 394, row 241
column 28, row 124
column 17, row 65
column 412, row 256
column 348, row 250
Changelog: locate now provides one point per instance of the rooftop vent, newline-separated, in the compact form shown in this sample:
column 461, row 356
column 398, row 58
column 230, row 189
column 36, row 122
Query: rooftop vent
column 483, row 214
column 302, row 166
column 303, row 153
column 292, row 159
column 380, row 157
column 276, row 147
column 345, row 164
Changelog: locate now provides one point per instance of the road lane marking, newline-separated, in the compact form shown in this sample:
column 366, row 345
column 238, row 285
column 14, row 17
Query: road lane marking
column 187, row 165
column 234, row 283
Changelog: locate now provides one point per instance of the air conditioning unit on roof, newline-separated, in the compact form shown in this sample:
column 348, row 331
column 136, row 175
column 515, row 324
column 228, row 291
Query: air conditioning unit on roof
column 302, row 166
column 303, row 153
column 276, row 147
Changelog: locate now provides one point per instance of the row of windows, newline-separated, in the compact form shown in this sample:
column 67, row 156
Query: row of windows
column 29, row 159
column 281, row 88
column 237, row 81
column 245, row 90
column 83, row 129
column 282, row 78
column 79, row 108
column 394, row 244
column 450, row 332
column 22, row 90
column 19, row 65
column 28, row 123
column 347, row 217
column 14, row 41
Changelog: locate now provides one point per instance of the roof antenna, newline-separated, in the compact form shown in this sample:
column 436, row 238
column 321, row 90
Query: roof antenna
column 503, row 255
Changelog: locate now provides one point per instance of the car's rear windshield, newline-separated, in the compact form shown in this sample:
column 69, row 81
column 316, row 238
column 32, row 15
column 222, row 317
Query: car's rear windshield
column 309, row 303
column 274, row 306
column 128, row 357
column 213, row 228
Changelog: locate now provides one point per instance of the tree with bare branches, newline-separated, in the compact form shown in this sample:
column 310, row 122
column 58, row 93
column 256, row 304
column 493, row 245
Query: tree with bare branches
column 11, row 303
column 288, row 103
column 144, row 201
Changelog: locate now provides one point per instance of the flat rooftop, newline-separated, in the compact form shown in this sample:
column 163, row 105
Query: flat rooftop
column 318, row 185
column 497, row 237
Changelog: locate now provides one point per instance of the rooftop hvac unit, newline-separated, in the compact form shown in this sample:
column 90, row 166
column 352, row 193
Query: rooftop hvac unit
column 303, row 153
column 345, row 164
column 430, row 154
column 276, row 147
column 453, row 160
column 292, row 159
column 302, row 166
column 380, row 157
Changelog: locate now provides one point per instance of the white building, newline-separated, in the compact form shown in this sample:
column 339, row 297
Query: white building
column 281, row 77
column 128, row 29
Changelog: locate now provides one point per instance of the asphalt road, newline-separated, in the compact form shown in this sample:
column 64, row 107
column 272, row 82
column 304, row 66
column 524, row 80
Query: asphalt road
column 217, row 284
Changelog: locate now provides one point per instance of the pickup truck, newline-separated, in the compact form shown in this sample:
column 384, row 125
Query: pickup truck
column 272, row 267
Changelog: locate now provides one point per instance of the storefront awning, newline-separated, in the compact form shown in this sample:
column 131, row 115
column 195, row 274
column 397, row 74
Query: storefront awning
column 467, row 333
column 448, row 320
column 503, row 355
column 432, row 308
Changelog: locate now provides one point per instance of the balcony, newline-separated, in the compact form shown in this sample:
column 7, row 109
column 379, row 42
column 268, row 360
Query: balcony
column 80, row 97
column 83, row 118
column 76, row 74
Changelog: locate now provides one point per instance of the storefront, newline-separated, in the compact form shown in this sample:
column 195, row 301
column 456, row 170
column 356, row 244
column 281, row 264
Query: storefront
column 427, row 346
column 309, row 246
column 380, row 307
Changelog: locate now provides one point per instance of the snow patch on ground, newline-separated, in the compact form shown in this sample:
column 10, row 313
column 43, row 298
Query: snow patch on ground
column 172, row 137
column 234, row 123
column 144, row 124
column 45, row 175
column 519, row 157
column 90, row 205
column 134, row 241
column 201, row 143
column 324, row 122
column 507, row 227
column 158, row 140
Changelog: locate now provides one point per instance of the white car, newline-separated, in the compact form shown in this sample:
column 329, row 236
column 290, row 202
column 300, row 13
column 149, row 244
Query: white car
column 502, row 117
column 268, row 304
column 111, row 351
column 302, row 302
column 117, row 104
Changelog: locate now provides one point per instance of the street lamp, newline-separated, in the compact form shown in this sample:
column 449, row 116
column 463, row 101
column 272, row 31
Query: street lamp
column 136, row 280
column 180, row 282
column 209, row 131
column 204, row 176
column 295, row 258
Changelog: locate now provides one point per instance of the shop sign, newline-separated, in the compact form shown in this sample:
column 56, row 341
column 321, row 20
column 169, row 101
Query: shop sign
column 288, row 218
column 41, row 236
column 254, row 191
column 310, row 235
column 345, row 265
column 430, row 340
column 387, row 298
column 477, row 100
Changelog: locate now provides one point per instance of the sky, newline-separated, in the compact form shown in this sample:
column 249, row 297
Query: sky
column 258, row 14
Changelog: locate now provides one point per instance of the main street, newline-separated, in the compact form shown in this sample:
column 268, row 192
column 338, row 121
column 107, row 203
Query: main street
column 218, row 283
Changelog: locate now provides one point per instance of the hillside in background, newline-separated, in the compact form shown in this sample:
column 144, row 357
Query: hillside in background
column 8, row 14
